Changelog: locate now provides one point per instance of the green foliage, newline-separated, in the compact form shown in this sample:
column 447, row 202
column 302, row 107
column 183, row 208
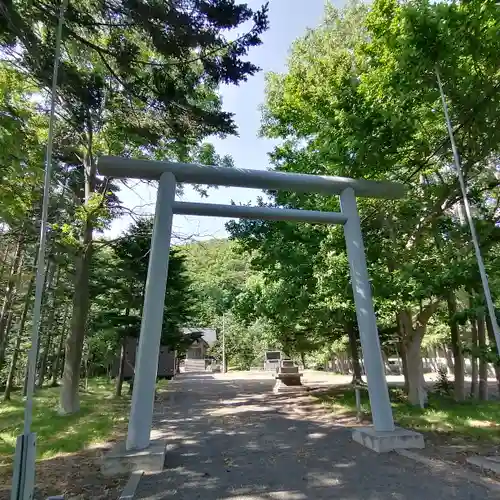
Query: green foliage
column 218, row 275
column 147, row 85
column 21, row 136
column 118, row 291
column 360, row 99
column 443, row 386
column 101, row 419
column 245, row 344
column 222, row 282
column 443, row 419
column 135, row 79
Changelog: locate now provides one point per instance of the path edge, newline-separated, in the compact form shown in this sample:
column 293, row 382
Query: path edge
column 130, row 489
column 449, row 468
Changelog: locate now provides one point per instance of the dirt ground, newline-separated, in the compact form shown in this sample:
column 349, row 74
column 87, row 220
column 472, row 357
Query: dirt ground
column 439, row 446
column 230, row 437
column 78, row 477
column 75, row 476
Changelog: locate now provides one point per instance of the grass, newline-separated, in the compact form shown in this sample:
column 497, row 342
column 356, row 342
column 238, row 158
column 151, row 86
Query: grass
column 470, row 420
column 101, row 419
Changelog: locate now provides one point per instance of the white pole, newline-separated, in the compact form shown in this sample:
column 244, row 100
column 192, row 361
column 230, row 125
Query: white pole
column 146, row 364
column 23, row 478
column 223, row 344
column 40, row 268
column 468, row 213
column 367, row 322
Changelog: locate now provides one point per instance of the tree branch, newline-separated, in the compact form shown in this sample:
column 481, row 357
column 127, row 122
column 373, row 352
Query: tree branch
column 425, row 314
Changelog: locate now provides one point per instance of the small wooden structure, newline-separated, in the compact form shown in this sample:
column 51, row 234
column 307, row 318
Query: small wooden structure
column 195, row 356
column 166, row 361
column 197, row 359
column 287, row 377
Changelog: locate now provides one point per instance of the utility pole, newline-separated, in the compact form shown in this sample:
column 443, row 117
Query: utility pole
column 223, row 344
column 23, row 481
column 466, row 205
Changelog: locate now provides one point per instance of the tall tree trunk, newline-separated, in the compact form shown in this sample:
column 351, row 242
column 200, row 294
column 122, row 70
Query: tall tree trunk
column 417, row 392
column 458, row 359
column 47, row 286
column 69, row 397
column 86, row 355
column 56, row 365
column 303, row 360
column 345, row 364
column 43, row 360
column 121, row 368
column 20, row 332
column 401, row 321
column 48, row 325
column 483, row 363
column 404, row 365
column 450, row 365
column 11, row 284
column 25, row 379
column 474, row 385
column 3, row 260
column 8, row 325
column 435, row 363
column 14, row 280
column 13, row 361
column 493, row 342
column 357, row 377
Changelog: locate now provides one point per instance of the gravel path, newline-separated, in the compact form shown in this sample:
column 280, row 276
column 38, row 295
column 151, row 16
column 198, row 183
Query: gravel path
column 231, row 438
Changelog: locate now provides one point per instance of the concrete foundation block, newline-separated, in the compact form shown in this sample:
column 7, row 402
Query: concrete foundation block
column 289, row 369
column 281, row 387
column 382, row 442
column 119, row 460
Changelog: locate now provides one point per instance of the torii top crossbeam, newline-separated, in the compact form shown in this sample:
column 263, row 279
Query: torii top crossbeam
column 113, row 166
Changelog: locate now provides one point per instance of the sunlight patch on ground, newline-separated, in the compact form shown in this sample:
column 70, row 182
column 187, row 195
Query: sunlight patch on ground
column 101, row 418
column 315, row 479
column 446, row 418
column 241, row 409
column 287, row 495
column 272, row 495
column 316, row 435
column 481, row 423
column 156, row 434
column 345, row 465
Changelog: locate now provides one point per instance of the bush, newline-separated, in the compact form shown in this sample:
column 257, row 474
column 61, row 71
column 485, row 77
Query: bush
column 443, row 386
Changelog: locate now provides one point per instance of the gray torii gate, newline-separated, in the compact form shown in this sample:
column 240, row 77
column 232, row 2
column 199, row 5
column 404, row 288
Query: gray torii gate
column 168, row 174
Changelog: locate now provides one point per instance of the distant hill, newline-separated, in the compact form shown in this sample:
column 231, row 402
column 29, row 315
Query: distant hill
column 218, row 273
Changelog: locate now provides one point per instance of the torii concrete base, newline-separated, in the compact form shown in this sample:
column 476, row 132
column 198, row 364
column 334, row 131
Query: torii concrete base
column 119, row 460
column 281, row 387
column 384, row 441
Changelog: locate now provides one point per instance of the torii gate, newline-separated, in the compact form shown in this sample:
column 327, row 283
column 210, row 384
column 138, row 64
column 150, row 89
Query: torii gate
column 168, row 174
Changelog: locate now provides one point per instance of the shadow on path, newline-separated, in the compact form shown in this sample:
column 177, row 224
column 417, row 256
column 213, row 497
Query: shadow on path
column 234, row 439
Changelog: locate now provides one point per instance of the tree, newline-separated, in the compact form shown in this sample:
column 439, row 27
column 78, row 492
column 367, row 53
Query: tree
column 21, row 134
column 218, row 275
column 360, row 99
column 128, row 86
column 119, row 281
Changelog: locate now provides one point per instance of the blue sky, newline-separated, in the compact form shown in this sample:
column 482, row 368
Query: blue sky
column 289, row 19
